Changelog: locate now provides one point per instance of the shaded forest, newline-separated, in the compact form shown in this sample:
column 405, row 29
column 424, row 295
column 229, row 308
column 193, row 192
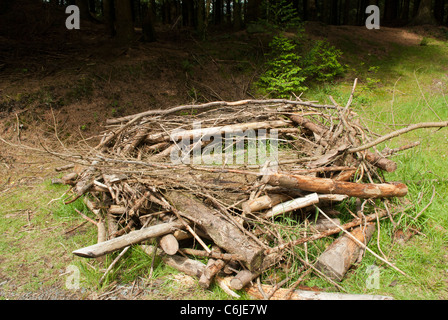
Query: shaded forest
column 121, row 18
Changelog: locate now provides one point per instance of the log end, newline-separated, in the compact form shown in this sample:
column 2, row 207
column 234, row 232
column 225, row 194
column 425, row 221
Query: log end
column 84, row 254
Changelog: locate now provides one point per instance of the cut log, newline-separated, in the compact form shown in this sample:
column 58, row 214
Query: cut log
column 282, row 294
column 212, row 268
column 169, row 244
column 133, row 237
column 324, row 185
column 116, row 209
column 205, row 133
column 380, row 161
column 291, row 205
column 343, row 253
column 102, row 231
column 188, row 266
column 224, row 234
column 242, row 279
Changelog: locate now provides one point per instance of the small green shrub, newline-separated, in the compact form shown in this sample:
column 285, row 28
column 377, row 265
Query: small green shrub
column 283, row 74
column 281, row 14
column 321, row 62
column 287, row 72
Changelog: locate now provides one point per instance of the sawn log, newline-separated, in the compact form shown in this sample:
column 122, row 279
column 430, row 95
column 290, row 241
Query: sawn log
column 224, row 234
column 133, row 237
column 325, row 185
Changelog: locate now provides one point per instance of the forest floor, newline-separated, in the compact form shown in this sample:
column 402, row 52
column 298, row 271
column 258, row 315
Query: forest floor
column 59, row 92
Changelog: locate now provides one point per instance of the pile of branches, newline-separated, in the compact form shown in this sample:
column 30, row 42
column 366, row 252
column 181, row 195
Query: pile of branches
column 150, row 181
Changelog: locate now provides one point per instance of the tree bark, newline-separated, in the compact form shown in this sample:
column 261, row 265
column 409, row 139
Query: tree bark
column 124, row 23
column 237, row 19
column 169, row 244
column 324, row 185
column 149, row 33
column 253, row 10
column 224, row 234
column 425, row 14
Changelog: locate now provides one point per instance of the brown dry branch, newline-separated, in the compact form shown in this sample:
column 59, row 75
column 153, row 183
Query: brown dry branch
column 229, row 175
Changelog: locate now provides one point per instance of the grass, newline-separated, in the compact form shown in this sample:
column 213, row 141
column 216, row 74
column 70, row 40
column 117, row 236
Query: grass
column 412, row 88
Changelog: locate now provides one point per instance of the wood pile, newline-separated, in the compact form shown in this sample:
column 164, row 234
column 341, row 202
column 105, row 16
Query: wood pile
column 150, row 181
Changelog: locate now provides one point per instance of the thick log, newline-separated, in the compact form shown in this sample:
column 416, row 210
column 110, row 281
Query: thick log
column 212, row 268
column 283, row 294
column 352, row 189
column 343, row 252
column 205, row 133
column 100, row 249
column 169, row 244
column 242, row 279
column 188, row 266
column 116, row 209
column 291, row 205
column 224, row 234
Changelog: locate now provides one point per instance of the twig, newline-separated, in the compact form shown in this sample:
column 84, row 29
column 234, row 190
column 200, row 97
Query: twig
column 113, row 263
column 430, row 202
column 291, row 289
column 399, row 132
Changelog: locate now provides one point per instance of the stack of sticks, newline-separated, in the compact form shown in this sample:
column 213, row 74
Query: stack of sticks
column 170, row 181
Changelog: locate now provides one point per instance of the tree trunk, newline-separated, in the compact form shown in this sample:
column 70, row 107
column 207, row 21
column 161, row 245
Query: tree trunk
column 200, row 17
column 439, row 10
column 311, row 10
column 405, row 11
column 425, row 14
column 237, row 19
column 346, row 13
column 124, row 23
column 149, row 33
column 253, row 10
column 109, row 16
column 218, row 11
